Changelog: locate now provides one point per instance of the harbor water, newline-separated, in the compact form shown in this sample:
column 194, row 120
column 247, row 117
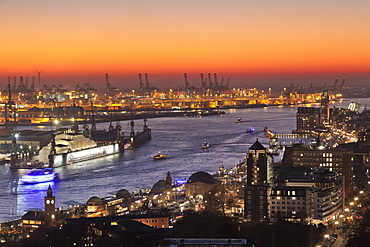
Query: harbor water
column 180, row 138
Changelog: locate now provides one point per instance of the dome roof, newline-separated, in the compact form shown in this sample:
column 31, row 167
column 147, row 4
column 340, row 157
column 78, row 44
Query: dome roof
column 160, row 185
column 94, row 199
column 203, row 177
column 123, row 194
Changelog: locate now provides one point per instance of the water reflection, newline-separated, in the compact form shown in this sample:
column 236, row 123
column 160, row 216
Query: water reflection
column 31, row 196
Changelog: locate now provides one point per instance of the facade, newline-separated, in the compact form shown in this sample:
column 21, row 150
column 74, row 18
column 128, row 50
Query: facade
column 256, row 187
column 327, row 195
column 308, row 118
column 320, row 198
column 154, row 221
column 336, row 160
column 32, row 220
column 325, row 107
column 200, row 183
column 290, row 202
column 114, row 206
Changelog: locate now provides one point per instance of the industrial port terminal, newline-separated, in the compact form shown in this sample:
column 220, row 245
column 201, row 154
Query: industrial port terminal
column 22, row 104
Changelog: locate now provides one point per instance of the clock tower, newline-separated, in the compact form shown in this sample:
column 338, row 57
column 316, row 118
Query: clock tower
column 49, row 201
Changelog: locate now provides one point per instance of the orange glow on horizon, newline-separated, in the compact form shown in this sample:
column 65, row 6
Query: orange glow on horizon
column 246, row 38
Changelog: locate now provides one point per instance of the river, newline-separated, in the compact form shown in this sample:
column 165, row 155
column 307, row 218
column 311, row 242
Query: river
column 180, row 138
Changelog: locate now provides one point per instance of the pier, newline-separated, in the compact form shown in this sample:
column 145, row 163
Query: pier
column 291, row 136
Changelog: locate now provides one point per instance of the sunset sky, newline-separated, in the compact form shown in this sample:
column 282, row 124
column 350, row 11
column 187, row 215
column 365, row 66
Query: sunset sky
column 251, row 42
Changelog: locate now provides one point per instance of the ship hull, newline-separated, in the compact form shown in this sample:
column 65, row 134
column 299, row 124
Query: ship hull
column 86, row 154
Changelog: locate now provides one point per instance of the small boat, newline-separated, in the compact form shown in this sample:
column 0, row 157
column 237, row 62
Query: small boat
column 239, row 120
column 160, row 156
column 28, row 165
column 250, row 130
column 268, row 133
column 41, row 175
column 205, row 145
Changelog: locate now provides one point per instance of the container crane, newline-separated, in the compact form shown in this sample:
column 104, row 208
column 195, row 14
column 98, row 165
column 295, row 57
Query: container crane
column 204, row 84
column 186, row 81
column 216, row 82
column 141, row 85
column 210, row 80
column 107, row 84
column 341, row 85
column 147, row 84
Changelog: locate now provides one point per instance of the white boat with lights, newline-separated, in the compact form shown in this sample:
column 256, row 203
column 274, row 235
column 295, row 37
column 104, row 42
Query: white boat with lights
column 250, row 130
column 42, row 175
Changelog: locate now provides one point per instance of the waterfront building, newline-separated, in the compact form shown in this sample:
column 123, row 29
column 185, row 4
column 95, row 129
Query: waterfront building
column 325, row 107
column 318, row 197
column 26, row 140
column 163, row 188
column 335, row 159
column 32, row 220
column 307, row 119
column 114, row 206
column 256, row 187
column 199, row 184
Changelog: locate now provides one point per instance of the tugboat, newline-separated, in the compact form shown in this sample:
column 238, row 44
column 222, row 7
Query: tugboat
column 250, row 130
column 205, row 145
column 160, row 156
column 239, row 120
column 42, row 175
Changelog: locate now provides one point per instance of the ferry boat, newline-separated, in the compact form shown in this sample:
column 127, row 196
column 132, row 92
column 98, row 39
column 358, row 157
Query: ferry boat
column 41, row 175
column 160, row 156
column 250, row 130
column 205, row 145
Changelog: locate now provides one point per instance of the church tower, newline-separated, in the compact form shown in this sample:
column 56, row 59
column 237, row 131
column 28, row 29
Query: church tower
column 169, row 185
column 49, row 200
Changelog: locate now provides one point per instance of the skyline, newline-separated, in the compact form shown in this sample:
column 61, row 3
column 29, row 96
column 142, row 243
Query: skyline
column 265, row 43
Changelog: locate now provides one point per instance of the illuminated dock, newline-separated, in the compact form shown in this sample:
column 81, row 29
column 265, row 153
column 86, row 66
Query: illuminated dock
column 291, row 136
